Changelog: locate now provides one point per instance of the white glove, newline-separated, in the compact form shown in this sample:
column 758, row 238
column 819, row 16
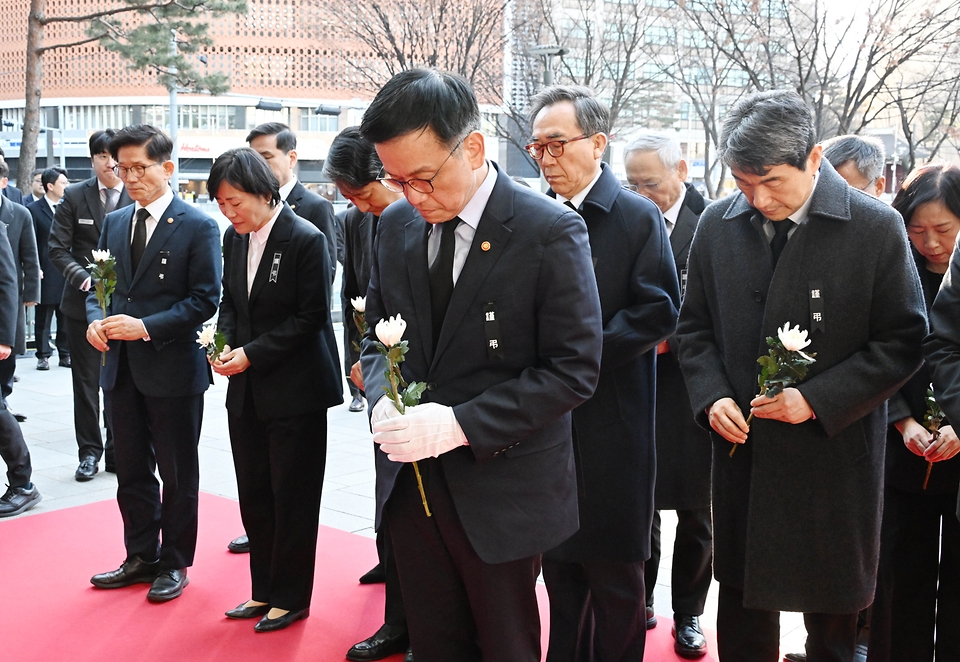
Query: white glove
column 382, row 410
column 424, row 431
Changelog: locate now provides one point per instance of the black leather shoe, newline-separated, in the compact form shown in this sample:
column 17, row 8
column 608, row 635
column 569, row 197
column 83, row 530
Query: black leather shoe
column 270, row 624
column 795, row 657
column 409, row 656
column 168, row 585
column 17, row 500
column 356, row 404
column 388, row 640
column 87, row 469
column 133, row 571
column 239, row 545
column 242, row 611
column 689, row 640
column 43, row 364
column 375, row 575
column 66, row 362
column 651, row 618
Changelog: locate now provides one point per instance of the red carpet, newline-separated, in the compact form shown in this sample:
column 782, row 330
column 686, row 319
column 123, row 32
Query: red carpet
column 52, row 613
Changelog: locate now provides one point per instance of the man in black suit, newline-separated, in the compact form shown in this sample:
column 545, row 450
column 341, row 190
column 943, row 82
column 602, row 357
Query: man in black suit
column 505, row 333
column 75, row 233
column 655, row 168
column 796, row 510
column 353, row 165
column 23, row 243
column 168, row 267
column 36, row 187
column 54, row 181
column 350, row 333
column 21, row 494
column 595, row 579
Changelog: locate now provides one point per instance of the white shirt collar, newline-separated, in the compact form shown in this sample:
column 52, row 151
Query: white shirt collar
column 578, row 199
column 158, row 206
column 474, row 210
column 117, row 187
column 672, row 214
column 53, row 205
column 800, row 215
column 264, row 233
column 286, row 188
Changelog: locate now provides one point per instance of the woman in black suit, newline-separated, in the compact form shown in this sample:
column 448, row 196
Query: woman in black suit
column 916, row 612
column 282, row 361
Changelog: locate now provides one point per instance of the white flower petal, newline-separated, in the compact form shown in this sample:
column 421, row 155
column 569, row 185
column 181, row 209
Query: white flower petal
column 390, row 332
column 359, row 304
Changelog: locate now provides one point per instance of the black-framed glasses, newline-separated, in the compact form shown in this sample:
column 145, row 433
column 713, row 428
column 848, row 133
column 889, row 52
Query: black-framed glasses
column 554, row 147
column 138, row 170
column 418, row 185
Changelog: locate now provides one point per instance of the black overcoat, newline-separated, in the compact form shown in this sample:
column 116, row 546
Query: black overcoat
column 51, row 285
column 614, row 430
column 797, row 508
column 23, row 242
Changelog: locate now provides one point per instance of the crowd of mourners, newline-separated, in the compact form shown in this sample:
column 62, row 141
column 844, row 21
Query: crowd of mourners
column 543, row 374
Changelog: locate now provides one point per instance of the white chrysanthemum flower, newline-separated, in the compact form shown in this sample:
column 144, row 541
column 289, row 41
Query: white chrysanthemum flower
column 793, row 339
column 391, row 331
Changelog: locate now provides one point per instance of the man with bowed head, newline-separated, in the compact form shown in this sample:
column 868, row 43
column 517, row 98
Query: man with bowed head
column 595, row 578
column 796, row 510
column 505, row 333
column 168, row 268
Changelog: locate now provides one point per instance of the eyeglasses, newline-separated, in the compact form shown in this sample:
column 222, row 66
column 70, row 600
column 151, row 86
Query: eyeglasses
column 640, row 188
column 418, row 185
column 554, row 147
column 138, row 170
column 867, row 185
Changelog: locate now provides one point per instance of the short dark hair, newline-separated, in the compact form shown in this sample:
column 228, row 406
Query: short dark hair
column 50, row 177
column 100, row 141
column 934, row 182
column 866, row 152
column 286, row 138
column 419, row 99
column 768, row 129
column 158, row 144
column 244, row 169
column 4, row 169
column 352, row 160
column 36, row 171
column 592, row 116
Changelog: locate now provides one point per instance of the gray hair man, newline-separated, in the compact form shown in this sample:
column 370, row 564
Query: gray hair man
column 656, row 169
column 797, row 508
column 859, row 160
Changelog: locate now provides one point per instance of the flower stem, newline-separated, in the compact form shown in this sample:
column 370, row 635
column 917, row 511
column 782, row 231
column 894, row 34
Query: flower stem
column 926, row 479
column 398, row 401
column 103, row 354
column 423, row 495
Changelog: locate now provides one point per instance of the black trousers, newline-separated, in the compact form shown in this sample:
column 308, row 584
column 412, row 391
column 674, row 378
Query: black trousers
column 393, row 612
column 156, row 433
column 753, row 635
column 45, row 312
column 692, row 561
column 916, row 610
column 86, row 395
column 8, row 366
column 280, row 465
column 458, row 607
column 14, row 450
column 596, row 611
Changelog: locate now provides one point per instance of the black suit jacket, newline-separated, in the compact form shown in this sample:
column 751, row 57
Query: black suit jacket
column 359, row 230
column 23, row 243
column 74, row 235
column 519, row 349
column 9, row 301
column 614, row 429
column 13, row 194
column 318, row 210
column 284, row 326
column 51, row 285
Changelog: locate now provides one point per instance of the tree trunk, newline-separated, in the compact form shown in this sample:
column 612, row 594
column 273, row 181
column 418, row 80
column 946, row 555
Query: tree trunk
column 31, row 109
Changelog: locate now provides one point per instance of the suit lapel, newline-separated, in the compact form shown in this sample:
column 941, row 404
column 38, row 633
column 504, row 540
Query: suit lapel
column 91, row 194
column 167, row 224
column 682, row 232
column 121, row 244
column 296, row 194
column 415, row 249
column 276, row 246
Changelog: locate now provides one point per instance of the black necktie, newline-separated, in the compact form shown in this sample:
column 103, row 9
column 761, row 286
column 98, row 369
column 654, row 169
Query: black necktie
column 441, row 276
column 569, row 204
column 780, row 231
column 139, row 238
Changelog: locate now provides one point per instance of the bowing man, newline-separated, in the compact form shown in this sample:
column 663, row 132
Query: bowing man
column 281, row 358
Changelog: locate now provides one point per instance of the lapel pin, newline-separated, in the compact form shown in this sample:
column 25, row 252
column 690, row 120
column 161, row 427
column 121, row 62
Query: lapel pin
column 485, row 246
column 169, row 220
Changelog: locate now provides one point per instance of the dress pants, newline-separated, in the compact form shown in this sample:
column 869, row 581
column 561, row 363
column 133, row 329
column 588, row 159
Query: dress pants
column 692, row 561
column 8, row 366
column 86, row 395
column 597, row 611
column 753, row 635
column 13, row 450
column 280, row 465
column 45, row 312
column 916, row 611
column 458, row 607
column 156, row 433
column 393, row 612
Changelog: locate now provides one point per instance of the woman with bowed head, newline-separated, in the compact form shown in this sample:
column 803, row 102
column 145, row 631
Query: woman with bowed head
column 916, row 612
column 281, row 359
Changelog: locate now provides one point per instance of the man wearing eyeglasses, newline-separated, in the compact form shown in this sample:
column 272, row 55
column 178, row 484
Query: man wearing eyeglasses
column 859, row 160
column 655, row 167
column 595, row 579
column 504, row 331
column 73, row 236
column 168, row 267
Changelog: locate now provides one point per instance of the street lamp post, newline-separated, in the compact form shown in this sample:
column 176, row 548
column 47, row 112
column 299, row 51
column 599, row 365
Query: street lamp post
column 174, row 113
column 546, row 53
